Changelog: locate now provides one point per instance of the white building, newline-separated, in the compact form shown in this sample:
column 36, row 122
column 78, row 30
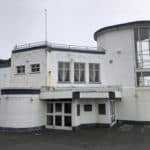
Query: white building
column 55, row 86
column 66, row 87
column 127, row 64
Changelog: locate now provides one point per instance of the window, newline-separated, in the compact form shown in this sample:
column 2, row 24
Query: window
column 88, row 107
column 102, row 109
column 78, row 109
column 20, row 69
column 63, row 72
column 79, row 72
column 58, row 107
column 94, row 72
column 49, row 108
column 67, row 109
column 67, row 121
column 35, row 68
column 143, row 78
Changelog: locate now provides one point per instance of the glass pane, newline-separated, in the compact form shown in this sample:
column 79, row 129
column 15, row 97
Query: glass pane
column 49, row 108
column 58, row 120
column 68, row 108
column 102, row 109
column 58, row 107
column 78, row 109
column 96, row 76
column 91, row 76
column 67, row 75
column 68, row 121
column 60, row 75
column 49, row 120
column 76, row 75
column 82, row 76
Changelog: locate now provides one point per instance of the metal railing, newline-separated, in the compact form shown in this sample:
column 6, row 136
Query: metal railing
column 53, row 45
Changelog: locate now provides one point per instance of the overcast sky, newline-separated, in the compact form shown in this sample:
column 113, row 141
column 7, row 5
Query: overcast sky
column 69, row 21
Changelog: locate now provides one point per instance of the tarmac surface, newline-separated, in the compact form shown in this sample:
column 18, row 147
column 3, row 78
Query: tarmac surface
column 125, row 137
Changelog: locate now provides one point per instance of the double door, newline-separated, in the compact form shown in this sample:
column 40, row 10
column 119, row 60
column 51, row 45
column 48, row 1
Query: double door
column 59, row 115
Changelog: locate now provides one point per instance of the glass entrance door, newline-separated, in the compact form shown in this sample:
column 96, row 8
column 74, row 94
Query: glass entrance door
column 59, row 115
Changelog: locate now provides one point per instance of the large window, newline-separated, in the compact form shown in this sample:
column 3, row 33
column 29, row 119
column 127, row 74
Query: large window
column 35, row 68
column 142, row 45
column 94, row 72
column 20, row 69
column 79, row 72
column 63, row 72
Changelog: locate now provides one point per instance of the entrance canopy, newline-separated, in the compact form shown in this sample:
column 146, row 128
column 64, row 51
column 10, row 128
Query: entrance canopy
column 107, row 92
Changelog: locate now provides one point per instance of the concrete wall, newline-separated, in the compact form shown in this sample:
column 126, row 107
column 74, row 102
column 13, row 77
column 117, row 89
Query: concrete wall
column 34, row 80
column 5, row 77
column 22, row 111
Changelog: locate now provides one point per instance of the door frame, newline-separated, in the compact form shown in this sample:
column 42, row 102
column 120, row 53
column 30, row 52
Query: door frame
column 62, row 114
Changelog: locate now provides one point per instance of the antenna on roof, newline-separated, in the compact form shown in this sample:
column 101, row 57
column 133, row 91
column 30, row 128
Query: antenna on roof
column 45, row 12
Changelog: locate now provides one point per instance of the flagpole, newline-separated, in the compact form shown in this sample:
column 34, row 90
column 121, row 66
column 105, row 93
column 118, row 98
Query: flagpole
column 45, row 25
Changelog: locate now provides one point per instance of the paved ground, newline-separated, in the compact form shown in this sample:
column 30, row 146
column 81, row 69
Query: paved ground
column 126, row 137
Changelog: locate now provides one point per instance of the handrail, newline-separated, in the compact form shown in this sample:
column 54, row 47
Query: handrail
column 53, row 45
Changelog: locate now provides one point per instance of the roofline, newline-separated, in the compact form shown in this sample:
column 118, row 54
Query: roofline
column 57, row 47
column 118, row 26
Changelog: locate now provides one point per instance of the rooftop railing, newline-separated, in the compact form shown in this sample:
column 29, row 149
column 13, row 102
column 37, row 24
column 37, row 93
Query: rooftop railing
column 53, row 45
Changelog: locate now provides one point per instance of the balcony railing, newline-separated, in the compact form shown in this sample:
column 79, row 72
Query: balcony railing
column 53, row 45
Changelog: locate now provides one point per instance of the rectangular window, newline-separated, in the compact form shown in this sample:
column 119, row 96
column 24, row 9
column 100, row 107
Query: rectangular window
column 78, row 109
column 58, row 107
column 35, row 68
column 63, row 72
column 143, row 78
column 20, row 69
column 79, row 72
column 94, row 72
column 49, row 108
column 67, row 108
column 88, row 107
column 102, row 109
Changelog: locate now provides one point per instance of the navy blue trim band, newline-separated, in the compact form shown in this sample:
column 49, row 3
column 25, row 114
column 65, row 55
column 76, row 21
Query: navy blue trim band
column 20, row 91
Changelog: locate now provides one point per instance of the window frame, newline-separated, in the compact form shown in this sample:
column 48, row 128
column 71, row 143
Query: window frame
column 103, row 112
column 22, row 69
column 35, row 67
column 63, row 69
column 94, row 70
column 80, row 69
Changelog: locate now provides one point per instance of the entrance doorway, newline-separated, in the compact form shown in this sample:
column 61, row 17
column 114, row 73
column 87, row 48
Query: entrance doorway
column 59, row 115
column 112, row 112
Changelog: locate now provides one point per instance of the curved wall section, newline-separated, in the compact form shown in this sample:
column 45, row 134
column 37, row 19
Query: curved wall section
column 21, row 111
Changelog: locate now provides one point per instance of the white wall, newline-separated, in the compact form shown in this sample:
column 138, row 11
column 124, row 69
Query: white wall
column 55, row 56
column 4, row 77
column 122, row 70
column 91, row 116
column 19, row 111
column 135, row 103
column 34, row 80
